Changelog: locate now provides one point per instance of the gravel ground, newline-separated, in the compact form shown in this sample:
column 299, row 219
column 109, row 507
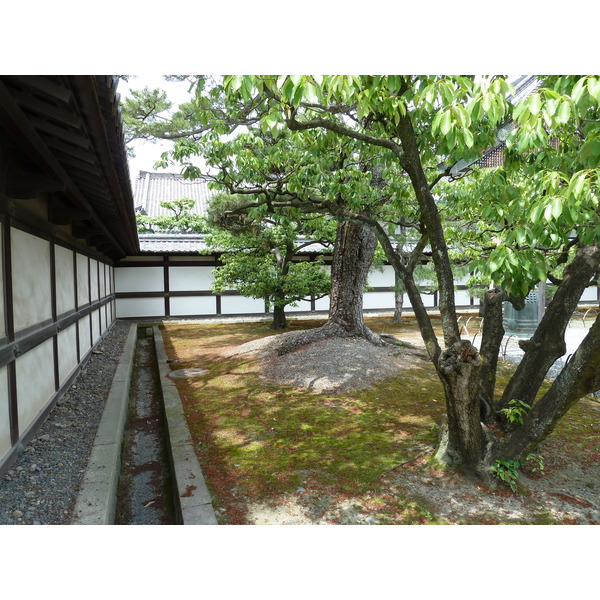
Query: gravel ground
column 41, row 487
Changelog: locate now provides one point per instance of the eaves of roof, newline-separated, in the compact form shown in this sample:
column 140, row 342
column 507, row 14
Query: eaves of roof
column 65, row 137
column 196, row 243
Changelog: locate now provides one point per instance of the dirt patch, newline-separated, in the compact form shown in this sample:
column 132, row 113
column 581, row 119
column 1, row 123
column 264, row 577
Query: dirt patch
column 331, row 364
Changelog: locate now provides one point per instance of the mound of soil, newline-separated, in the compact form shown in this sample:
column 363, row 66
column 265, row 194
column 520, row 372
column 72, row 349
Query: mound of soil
column 331, row 364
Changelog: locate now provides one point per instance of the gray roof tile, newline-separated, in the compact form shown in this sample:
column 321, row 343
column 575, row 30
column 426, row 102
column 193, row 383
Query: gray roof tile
column 153, row 188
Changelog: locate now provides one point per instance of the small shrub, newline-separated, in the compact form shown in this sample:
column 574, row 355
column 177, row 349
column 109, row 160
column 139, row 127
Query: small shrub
column 516, row 410
column 507, row 471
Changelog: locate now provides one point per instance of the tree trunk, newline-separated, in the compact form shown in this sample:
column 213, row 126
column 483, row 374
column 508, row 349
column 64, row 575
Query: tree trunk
column 458, row 369
column 579, row 377
column 491, row 339
column 354, row 250
column 398, row 299
column 279, row 318
column 548, row 341
column 283, row 264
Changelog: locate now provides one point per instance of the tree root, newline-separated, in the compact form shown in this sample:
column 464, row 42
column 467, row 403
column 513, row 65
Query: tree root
column 404, row 463
column 294, row 340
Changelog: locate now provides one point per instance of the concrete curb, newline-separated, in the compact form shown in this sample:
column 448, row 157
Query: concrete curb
column 192, row 495
column 97, row 499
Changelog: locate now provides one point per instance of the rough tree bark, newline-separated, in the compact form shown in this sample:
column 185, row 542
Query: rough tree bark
column 398, row 299
column 283, row 264
column 579, row 377
column 352, row 257
column 548, row 341
column 279, row 318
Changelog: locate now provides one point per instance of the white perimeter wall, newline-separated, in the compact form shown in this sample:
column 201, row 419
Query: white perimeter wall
column 32, row 299
column 83, row 309
column 141, row 288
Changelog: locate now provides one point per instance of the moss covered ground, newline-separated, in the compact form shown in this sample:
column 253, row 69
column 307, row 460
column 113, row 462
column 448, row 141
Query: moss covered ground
column 260, row 443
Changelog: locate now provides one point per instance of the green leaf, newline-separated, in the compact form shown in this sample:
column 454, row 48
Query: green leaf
column 311, row 93
column 578, row 183
column 446, row 122
column 590, row 153
column 564, row 112
column 535, row 104
column 394, row 83
column 556, row 207
column 468, row 137
column 578, row 90
column 536, row 212
column 593, row 86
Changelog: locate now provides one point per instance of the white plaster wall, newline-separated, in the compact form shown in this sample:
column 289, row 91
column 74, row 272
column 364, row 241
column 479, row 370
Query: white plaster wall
column 65, row 284
column 31, row 279
column 109, row 276
column 35, row 382
column 190, row 279
column 322, row 303
column 590, row 293
column 378, row 278
column 427, row 299
column 140, row 307
column 4, row 419
column 239, row 304
column 67, row 352
column 303, row 305
column 139, row 279
column 2, row 329
column 373, row 300
column 462, row 298
column 83, row 288
column 84, row 335
column 96, row 325
column 193, row 305
column 102, row 280
column 94, row 281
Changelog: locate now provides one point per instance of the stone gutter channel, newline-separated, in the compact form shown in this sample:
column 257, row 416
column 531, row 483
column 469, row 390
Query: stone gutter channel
column 143, row 468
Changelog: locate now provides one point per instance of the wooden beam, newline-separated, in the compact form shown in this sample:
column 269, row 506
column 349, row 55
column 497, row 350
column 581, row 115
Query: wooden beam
column 21, row 185
column 43, row 86
column 17, row 125
column 60, row 132
column 95, row 240
column 45, row 109
column 61, row 214
column 86, row 91
column 71, row 151
column 78, row 164
column 81, row 230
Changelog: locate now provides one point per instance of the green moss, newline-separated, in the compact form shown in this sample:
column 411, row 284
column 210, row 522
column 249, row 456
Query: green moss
column 259, row 439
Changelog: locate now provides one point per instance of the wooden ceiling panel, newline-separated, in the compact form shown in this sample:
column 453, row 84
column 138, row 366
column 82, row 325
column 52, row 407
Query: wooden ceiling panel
column 70, row 131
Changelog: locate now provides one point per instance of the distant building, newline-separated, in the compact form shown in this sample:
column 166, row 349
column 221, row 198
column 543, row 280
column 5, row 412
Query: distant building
column 153, row 188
